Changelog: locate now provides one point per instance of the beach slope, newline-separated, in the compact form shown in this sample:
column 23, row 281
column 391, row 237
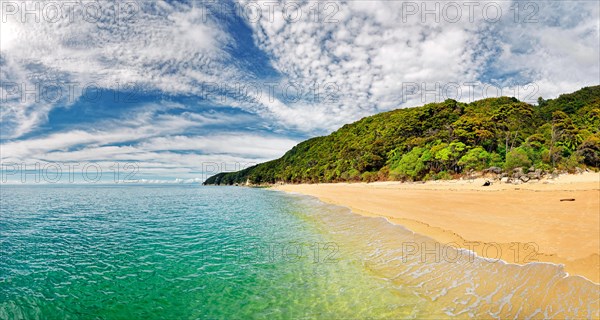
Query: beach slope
column 555, row 221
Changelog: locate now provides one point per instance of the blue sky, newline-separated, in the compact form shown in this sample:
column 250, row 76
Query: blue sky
column 182, row 89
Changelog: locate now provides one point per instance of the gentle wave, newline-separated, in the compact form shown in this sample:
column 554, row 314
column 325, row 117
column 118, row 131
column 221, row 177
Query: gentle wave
column 455, row 281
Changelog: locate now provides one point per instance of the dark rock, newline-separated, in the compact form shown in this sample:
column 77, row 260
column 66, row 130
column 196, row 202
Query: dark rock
column 537, row 174
column 518, row 172
column 495, row 170
column 533, row 175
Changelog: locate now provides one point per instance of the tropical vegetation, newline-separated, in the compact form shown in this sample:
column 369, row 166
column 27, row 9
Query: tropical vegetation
column 442, row 141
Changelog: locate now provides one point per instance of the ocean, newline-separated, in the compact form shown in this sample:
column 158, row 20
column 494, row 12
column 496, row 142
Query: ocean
column 192, row 252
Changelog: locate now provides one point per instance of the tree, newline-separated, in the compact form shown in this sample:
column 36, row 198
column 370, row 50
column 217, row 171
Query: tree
column 473, row 130
column 517, row 158
column 476, row 159
column 410, row 165
column 590, row 151
column 566, row 131
column 450, row 154
column 541, row 102
column 510, row 120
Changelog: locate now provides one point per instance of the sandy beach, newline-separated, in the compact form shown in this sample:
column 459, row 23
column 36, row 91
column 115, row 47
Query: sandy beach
column 516, row 223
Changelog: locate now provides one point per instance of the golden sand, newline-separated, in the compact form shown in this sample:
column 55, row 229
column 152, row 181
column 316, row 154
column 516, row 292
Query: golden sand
column 517, row 223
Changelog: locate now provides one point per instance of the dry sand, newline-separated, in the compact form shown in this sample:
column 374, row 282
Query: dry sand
column 526, row 222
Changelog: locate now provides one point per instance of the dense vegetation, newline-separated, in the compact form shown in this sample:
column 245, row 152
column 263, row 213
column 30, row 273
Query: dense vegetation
column 443, row 140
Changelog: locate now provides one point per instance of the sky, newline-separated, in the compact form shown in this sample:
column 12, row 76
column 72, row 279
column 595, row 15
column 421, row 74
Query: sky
column 175, row 91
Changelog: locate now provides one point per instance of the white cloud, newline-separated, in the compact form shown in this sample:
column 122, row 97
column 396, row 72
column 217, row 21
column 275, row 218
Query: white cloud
column 367, row 54
column 141, row 162
column 247, row 145
column 375, row 47
column 150, row 131
column 152, row 141
column 166, row 47
column 368, row 49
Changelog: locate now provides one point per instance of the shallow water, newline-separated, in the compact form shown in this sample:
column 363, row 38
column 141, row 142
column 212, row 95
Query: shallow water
column 155, row 252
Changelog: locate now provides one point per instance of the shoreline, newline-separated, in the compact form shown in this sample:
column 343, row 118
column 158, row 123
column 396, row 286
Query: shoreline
column 514, row 223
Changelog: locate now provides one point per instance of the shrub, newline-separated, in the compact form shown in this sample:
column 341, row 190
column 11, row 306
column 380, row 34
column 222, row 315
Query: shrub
column 409, row 166
column 443, row 175
column 517, row 158
column 571, row 163
column 369, row 177
column 476, row 158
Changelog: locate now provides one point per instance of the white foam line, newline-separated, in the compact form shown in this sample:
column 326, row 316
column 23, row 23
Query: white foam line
column 504, row 262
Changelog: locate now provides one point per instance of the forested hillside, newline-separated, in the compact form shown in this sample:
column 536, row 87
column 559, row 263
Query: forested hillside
column 443, row 140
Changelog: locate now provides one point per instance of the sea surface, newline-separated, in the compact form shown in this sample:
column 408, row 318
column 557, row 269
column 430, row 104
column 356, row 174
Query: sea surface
column 191, row 252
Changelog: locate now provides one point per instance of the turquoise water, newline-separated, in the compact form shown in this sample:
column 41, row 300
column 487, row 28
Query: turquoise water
column 189, row 252
column 171, row 252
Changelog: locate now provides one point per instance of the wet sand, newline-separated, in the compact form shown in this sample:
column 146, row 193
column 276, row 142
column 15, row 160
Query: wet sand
column 516, row 223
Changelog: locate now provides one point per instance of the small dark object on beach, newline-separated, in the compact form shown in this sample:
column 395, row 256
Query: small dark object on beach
column 567, row 199
column 487, row 184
